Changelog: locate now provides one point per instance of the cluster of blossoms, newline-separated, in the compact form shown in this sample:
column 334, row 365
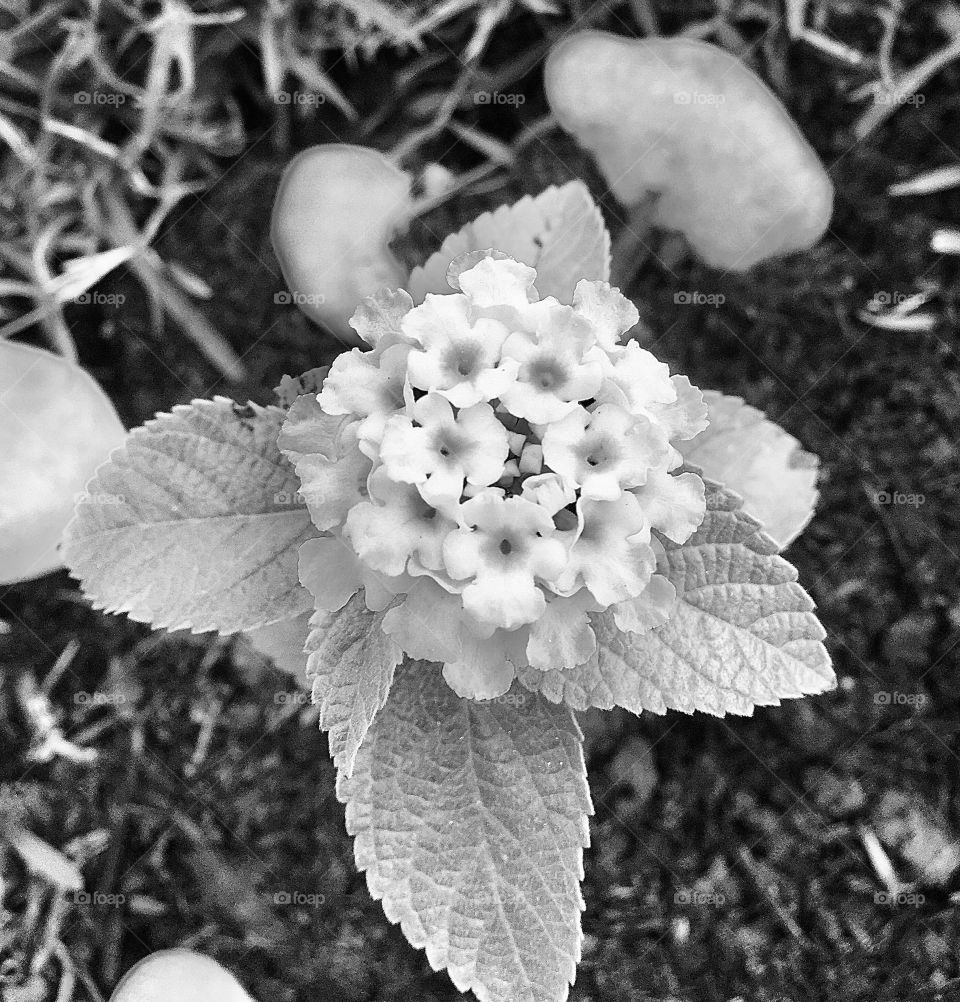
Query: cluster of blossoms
column 492, row 470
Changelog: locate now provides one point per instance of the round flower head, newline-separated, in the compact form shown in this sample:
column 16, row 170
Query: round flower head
column 494, row 473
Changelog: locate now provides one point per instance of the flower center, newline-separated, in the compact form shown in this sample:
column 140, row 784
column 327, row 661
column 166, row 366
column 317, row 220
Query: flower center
column 547, row 373
column 504, row 547
column 448, row 444
column 425, row 512
column 463, row 358
column 599, row 451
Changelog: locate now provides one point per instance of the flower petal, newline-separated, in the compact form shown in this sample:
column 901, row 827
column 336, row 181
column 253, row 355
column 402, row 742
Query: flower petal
column 378, row 317
column 562, row 637
column 607, row 310
column 503, row 282
column 428, row 625
column 672, row 504
column 330, row 571
column 650, row 609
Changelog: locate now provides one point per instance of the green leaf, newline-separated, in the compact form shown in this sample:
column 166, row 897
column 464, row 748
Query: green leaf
column 351, row 662
column 195, row 523
column 56, row 427
column 743, row 633
column 560, row 232
column 760, row 461
column 470, row 820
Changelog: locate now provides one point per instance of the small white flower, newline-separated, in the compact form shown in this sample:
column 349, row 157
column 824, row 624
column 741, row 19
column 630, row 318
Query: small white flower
column 377, row 319
column 499, row 283
column 604, row 451
column 611, row 553
column 550, row 491
column 642, row 381
column 458, row 357
column 360, row 384
column 609, row 313
column 395, row 525
column 504, row 549
column 556, row 367
column 438, row 449
column 672, row 503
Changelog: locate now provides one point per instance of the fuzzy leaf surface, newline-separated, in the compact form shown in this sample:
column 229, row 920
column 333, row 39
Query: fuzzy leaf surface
column 560, row 232
column 758, row 459
column 195, row 523
column 351, row 661
column 743, row 633
column 470, row 820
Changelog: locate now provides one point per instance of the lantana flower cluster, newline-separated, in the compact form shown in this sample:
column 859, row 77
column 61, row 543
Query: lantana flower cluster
column 495, row 471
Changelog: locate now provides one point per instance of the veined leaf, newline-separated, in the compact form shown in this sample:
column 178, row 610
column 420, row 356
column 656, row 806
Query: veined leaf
column 283, row 642
column 351, row 662
column 470, row 820
column 758, row 459
column 195, row 523
column 743, row 633
column 559, row 232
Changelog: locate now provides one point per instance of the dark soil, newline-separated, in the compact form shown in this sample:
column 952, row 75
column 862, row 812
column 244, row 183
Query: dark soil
column 765, row 818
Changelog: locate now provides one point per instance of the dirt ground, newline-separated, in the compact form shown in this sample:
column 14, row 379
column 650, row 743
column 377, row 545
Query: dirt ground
column 731, row 858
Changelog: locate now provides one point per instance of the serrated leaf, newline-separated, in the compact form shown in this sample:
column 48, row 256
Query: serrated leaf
column 283, row 643
column 470, row 820
column 759, row 460
column 56, row 427
column 351, row 661
column 195, row 523
column 743, row 633
column 560, row 232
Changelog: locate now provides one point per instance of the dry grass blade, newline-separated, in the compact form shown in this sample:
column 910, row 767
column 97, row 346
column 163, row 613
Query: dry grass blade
column 904, row 88
column 146, row 267
column 945, row 241
column 938, row 179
